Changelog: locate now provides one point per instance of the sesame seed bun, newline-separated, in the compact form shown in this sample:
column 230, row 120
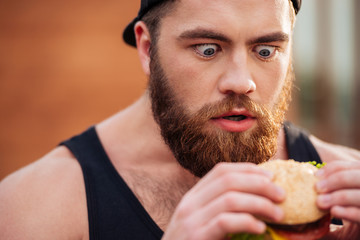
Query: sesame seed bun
column 298, row 181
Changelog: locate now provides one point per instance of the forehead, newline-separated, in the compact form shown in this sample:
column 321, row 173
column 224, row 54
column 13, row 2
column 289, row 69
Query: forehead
column 241, row 17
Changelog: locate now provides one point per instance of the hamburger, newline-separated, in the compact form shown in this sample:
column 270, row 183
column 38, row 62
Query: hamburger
column 303, row 219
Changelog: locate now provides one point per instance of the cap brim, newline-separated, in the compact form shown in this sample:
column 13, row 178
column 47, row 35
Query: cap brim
column 129, row 35
column 297, row 5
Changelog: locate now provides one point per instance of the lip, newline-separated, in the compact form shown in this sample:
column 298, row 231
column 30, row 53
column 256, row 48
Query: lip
column 236, row 112
column 235, row 126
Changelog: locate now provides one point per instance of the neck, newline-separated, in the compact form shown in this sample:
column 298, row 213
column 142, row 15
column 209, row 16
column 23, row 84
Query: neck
column 281, row 152
column 133, row 137
column 133, row 142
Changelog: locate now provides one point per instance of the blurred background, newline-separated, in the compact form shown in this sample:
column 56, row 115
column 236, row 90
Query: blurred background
column 64, row 67
column 327, row 65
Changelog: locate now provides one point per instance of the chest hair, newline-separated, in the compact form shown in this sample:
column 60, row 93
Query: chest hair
column 158, row 193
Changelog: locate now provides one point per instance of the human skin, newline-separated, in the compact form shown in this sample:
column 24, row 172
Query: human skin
column 235, row 68
column 221, row 203
column 339, row 192
column 46, row 200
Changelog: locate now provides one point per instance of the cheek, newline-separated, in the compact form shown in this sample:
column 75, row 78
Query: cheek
column 193, row 82
column 271, row 82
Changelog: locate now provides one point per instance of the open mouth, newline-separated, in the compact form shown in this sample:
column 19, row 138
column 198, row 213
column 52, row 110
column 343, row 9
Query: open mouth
column 236, row 118
column 235, row 121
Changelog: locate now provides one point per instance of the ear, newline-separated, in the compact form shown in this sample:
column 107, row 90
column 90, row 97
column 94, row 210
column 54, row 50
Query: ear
column 143, row 42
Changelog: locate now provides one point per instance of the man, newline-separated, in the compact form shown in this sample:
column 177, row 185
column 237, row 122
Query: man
column 219, row 83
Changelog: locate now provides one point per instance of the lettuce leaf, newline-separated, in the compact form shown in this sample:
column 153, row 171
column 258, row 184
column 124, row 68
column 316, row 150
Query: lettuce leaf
column 246, row 236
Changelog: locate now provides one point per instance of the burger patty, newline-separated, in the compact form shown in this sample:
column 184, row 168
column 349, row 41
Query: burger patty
column 309, row 231
column 301, row 227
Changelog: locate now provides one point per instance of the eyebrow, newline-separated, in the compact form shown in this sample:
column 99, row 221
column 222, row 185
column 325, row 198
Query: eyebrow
column 272, row 37
column 200, row 33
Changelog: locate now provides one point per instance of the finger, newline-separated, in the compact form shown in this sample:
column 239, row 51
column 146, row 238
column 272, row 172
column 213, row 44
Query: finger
column 244, row 182
column 226, row 223
column 247, row 183
column 224, row 168
column 242, row 202
column 346, row 213
column 336, row 166
column 345, row 198
column 344, row 179
column 235, row 176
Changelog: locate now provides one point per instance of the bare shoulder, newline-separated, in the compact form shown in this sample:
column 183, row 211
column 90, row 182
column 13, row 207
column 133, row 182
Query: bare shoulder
column 331, row 152
column 45, row 200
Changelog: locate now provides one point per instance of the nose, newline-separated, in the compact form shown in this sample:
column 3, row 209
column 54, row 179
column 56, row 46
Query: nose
column 237, row 79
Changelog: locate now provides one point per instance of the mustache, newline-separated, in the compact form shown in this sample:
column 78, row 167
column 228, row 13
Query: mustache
column 227, row 104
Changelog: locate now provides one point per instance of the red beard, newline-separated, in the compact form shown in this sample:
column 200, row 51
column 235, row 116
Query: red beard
column 199, row 150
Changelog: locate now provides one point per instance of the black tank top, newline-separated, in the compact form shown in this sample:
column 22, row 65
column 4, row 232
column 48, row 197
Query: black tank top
column 114, row 212
column 299, row 145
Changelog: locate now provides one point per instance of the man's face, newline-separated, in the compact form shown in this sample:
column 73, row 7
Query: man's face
column 220, row 75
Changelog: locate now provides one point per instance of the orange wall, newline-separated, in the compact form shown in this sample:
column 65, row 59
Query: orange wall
column 63, row 67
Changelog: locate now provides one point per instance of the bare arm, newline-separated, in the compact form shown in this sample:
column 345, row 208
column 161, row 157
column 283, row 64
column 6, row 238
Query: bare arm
column 45, row 200
column 331, row 152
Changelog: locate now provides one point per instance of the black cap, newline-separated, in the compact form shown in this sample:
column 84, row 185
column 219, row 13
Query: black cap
column 146, row 5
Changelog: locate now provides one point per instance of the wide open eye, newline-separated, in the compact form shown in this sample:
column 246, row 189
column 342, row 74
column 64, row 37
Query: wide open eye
column 206, row 50
column 265, row 52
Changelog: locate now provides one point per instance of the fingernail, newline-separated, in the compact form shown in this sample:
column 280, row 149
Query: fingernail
column 280, row 192
column 279, row 213
column 261, row 226
column 338, row 210
column 320, row 173
column 321, row 186
column 324, row 200
column 269, row 174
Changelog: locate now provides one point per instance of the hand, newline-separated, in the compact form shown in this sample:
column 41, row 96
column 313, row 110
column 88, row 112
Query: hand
column 339, row 188
column 226, row 201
